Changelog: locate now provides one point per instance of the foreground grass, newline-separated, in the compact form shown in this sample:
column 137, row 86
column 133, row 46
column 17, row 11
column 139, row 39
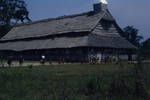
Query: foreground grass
column 68, row 82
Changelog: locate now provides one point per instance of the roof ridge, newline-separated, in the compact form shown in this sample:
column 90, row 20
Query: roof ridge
column 51, row 19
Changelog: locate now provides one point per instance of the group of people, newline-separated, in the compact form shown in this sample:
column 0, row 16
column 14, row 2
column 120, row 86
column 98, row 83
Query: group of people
column 10, row 60
column 91, row 60
column 43, row 59
column 106, row 59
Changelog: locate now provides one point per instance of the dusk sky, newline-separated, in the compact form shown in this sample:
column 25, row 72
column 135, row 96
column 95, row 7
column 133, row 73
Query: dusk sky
column 126, row 12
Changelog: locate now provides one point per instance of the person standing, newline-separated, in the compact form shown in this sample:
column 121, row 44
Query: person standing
column 43, row 59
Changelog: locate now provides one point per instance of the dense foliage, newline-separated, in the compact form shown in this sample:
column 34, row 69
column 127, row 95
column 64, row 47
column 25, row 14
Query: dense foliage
column 11, row 12
column 132, row 35
column 145, row 49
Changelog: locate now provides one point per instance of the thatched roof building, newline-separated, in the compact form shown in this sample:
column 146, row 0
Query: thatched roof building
column 94, row 29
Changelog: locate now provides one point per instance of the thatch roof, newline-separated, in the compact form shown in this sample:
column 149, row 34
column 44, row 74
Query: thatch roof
column 92, row 40
column 19, row 38
column 74, row 23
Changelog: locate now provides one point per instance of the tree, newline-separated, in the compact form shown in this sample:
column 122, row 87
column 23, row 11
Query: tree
column 131, row 34
column 11, row 12
column 145, row 49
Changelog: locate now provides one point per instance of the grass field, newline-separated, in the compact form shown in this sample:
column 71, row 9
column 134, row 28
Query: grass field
column 71, row 82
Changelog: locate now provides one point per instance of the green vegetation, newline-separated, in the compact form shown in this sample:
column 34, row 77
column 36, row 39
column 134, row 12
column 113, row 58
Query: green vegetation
column 72, row 82
column 11, row 12
column 132, row 35
column 145, row 49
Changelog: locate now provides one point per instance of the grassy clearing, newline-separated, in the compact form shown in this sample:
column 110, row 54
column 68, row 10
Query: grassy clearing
column 68, row 82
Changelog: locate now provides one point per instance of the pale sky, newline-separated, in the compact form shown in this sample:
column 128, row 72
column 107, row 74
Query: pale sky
column 126, row 12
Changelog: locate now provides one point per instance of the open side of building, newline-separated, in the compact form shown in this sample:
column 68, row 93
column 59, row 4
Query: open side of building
column 72, row 38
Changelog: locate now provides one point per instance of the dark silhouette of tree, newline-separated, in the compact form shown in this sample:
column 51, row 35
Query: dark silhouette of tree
column 11, row 12
column 145, row 48
column 132, row 35
column 4, row 29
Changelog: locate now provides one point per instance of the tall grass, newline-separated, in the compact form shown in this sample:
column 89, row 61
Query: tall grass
column 71, row 82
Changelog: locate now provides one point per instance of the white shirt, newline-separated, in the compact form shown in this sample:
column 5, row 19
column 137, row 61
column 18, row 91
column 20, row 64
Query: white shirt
column 43, row 57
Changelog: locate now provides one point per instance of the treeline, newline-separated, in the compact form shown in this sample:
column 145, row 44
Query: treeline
column 132, row 35
column 145, row 49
